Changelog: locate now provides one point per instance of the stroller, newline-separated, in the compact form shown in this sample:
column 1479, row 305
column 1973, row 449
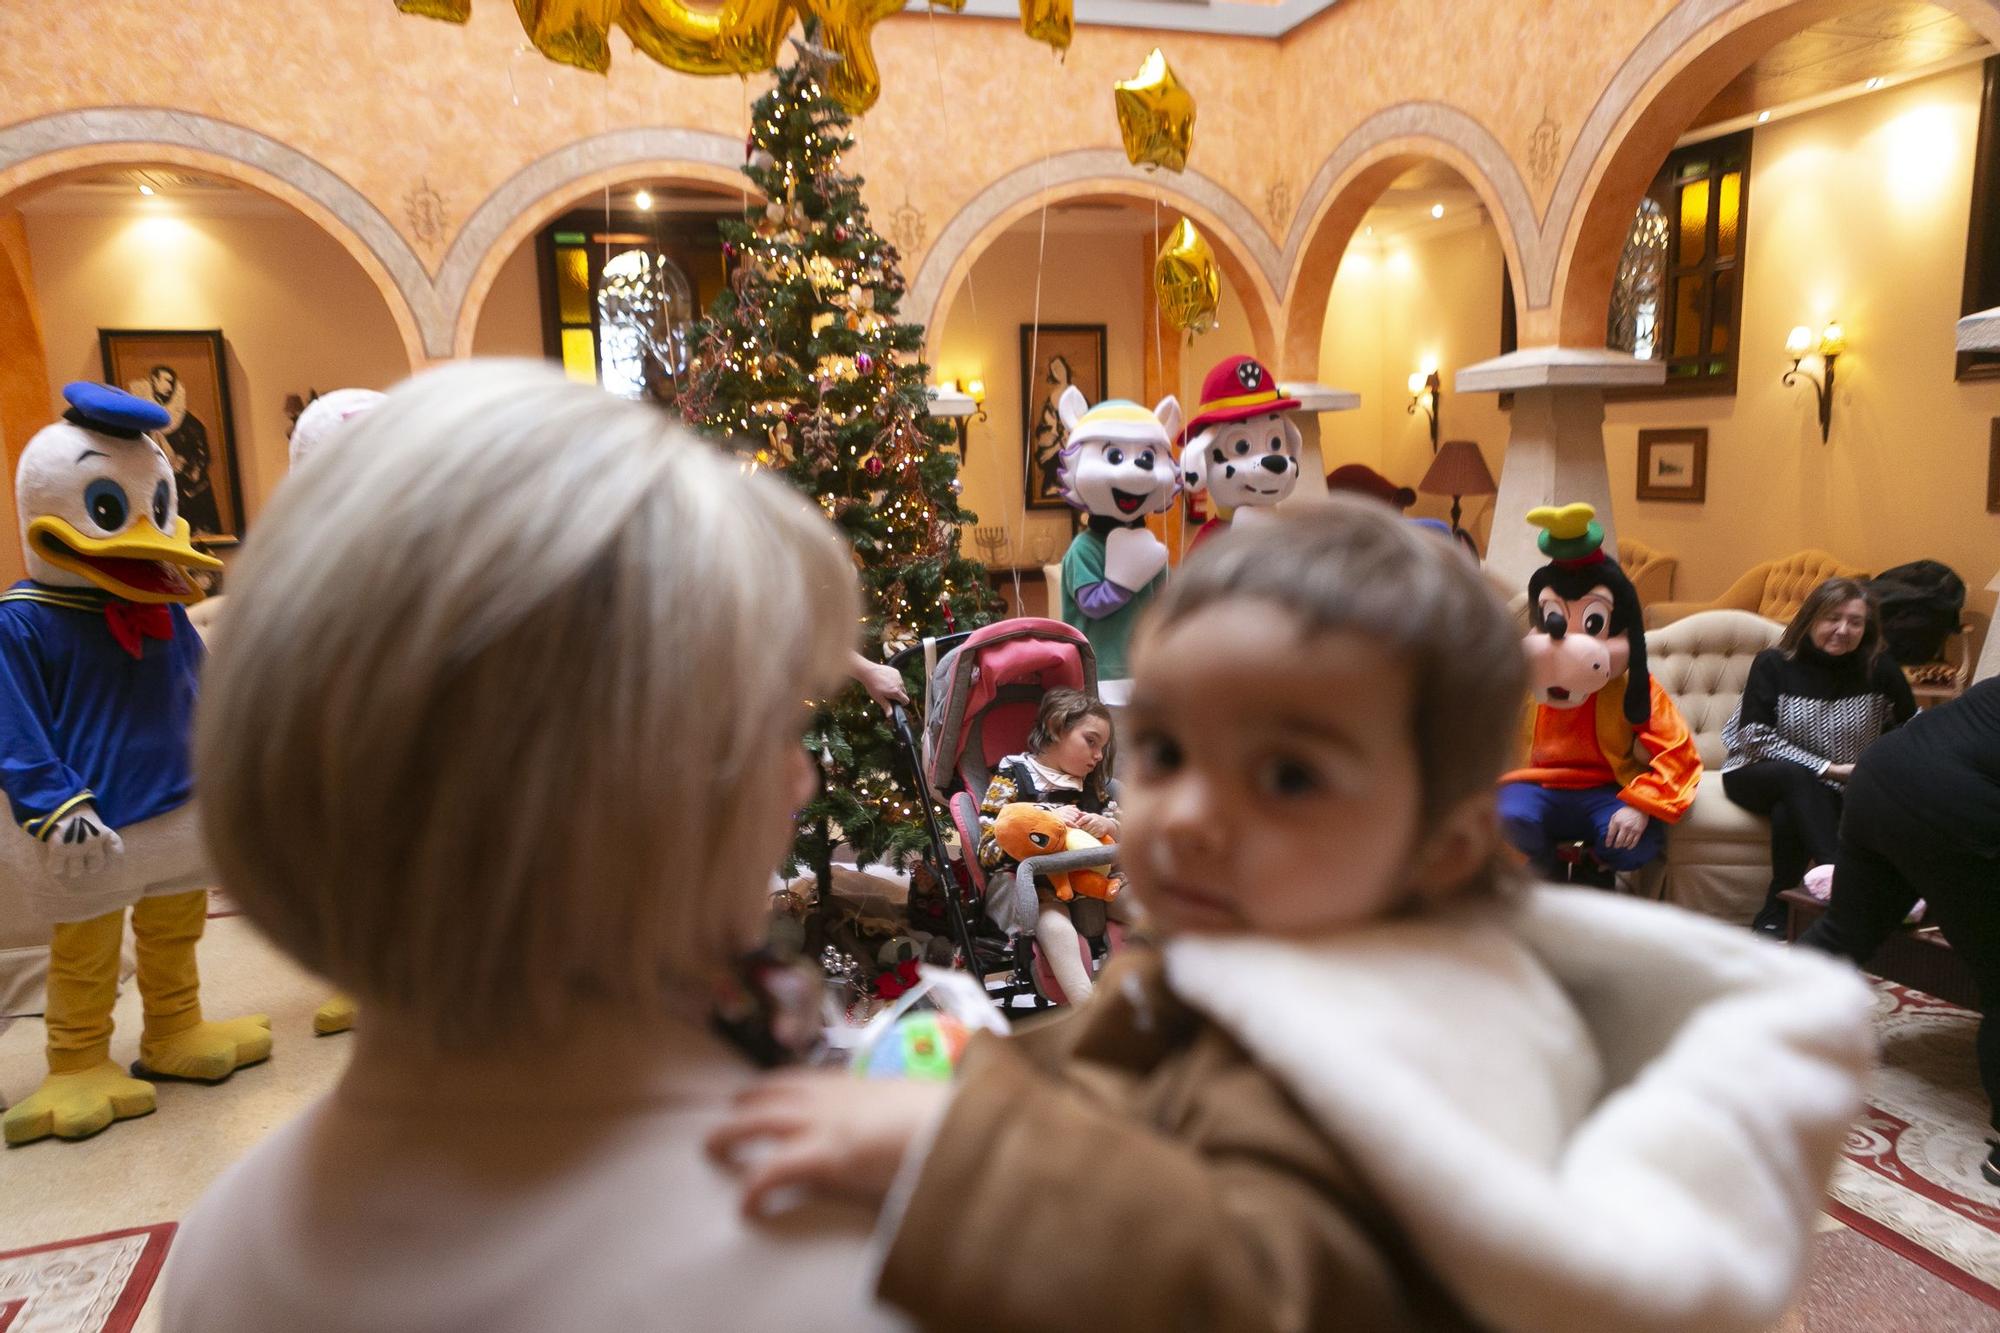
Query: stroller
column 981, row 700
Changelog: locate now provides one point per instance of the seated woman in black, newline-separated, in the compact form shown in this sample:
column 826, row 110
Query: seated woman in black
column 1810, row 707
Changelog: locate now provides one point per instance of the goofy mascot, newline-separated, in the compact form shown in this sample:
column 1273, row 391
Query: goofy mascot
column 1607, row 761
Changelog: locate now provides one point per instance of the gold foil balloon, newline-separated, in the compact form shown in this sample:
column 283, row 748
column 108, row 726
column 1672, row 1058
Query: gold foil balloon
column 847, row 27
column 1155, row 115
column 1186, row 280
column 571, row 32
column 740, row 37
column 1049, row 21
column 451, row 11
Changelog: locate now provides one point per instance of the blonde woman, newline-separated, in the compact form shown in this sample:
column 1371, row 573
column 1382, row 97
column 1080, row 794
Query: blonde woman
column 506, row 745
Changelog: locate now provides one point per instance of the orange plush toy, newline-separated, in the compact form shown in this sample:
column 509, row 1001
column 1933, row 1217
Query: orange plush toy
column 1022, row 830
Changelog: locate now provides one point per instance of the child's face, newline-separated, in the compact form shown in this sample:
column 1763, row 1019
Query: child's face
column 1080, row 749
column 1274, row 782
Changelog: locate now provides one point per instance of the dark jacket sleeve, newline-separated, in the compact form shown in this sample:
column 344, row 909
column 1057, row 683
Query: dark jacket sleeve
column 1891, row 681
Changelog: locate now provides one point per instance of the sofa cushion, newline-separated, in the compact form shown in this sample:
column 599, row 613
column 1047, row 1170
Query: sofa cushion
column 1716, row 828
column 1703, row 661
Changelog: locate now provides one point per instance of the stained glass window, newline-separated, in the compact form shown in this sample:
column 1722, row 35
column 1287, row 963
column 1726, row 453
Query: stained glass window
column 621, row 293
column 1678, row 293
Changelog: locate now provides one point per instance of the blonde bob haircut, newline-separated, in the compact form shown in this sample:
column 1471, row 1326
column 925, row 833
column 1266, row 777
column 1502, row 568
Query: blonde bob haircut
column 498, row 736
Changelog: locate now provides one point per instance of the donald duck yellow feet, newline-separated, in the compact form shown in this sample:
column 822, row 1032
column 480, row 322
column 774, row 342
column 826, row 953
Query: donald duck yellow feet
column 176, row 1043
column 205, row 1052
column 84, row 1091
column 75, row 1106
column 336, row 1015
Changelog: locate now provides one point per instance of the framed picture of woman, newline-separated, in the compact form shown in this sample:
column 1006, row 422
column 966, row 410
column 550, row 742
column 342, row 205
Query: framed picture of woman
column 186, row 372
column 1053, row 357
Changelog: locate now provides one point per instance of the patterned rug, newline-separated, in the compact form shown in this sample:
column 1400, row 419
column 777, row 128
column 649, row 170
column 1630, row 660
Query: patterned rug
column 94, row 1285
column 1910, row 1178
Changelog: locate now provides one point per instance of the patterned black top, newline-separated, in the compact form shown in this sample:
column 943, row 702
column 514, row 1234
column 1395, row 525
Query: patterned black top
column 1815, row 710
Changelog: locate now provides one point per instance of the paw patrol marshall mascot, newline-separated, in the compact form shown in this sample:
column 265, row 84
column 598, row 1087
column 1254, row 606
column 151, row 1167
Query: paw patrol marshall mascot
column 1244, row 450
column 1607, row 760
column 98, row 668
column 1118, row 466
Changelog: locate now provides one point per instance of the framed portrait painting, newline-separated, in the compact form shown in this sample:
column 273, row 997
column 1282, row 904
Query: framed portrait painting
column 1053, row 357
column 1673, row 464
column 186, row 372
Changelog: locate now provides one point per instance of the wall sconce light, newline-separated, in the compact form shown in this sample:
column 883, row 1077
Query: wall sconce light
column 975, row 389
column 1424, row 386
column 1832, row 341
column 959, row 401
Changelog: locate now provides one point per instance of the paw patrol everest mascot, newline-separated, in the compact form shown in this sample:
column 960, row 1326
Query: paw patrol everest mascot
column 1117, row 466
column 1607, row 760
column 98, row 668
column 1244, row 451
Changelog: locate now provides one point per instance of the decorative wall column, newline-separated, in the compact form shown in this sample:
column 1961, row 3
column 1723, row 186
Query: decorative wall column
column 1981, row 333
column 1313, row 400
column 1555, row 443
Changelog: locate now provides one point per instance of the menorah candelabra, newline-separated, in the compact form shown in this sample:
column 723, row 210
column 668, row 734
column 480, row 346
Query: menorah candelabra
column 992, row 543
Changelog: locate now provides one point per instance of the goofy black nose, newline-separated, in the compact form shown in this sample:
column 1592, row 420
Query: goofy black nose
column 1276, row 463
column 1557, row 624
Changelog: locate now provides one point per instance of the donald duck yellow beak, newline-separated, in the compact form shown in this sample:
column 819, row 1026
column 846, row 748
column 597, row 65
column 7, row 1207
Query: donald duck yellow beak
column 140, row 564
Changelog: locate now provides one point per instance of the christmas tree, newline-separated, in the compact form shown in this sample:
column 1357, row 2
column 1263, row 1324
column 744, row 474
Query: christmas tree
column 801, row 357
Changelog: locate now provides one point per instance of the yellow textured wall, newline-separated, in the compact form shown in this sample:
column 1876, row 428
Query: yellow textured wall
column 1397, row 306
column 511, row 322
column 295, row 311
column 1858, row 211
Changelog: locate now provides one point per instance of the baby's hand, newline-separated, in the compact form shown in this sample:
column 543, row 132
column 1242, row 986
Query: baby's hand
column 827, row 1133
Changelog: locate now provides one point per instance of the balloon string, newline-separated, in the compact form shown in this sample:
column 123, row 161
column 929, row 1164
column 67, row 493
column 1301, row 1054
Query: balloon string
column 1035, row 376
column 944, row 118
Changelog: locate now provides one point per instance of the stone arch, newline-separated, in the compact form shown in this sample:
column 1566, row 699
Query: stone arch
column 1680, row 65
column 1353, row 177
column 1243, row 250
column 534, row 194
column 35, row 152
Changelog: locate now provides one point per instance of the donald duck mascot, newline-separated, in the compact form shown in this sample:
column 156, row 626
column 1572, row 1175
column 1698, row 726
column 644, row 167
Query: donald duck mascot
column 98, row 671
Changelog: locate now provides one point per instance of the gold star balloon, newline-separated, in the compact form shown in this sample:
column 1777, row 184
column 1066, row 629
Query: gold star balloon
column 846, row 27
column 1155, row 115
column 571, row 32
column 1050, row 21
column 1186, row 280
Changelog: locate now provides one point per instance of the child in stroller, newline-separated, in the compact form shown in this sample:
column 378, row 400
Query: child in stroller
column 985, row 694
column 1065, row 770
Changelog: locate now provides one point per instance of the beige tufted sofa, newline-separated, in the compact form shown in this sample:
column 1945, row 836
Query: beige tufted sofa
column 1775, row 589
column 1718, row 858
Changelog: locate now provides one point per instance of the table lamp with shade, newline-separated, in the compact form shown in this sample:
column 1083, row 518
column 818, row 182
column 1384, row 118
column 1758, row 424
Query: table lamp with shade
column 1458, row 470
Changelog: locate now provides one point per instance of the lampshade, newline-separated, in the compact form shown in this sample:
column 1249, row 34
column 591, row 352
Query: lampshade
column 1832, row 339
column 1416, row 382
column 1458, row 469
column 1799, row 343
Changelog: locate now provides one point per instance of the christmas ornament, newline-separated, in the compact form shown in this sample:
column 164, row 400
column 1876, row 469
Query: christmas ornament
column 1186, row 280
column 873, row 466
column 863, row 362
column 1155, row 115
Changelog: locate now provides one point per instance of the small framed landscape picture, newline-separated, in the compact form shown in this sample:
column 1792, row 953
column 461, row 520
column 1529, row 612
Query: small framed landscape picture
column 1053, row 357
column 1993, row 469
column 187, row 373
column 1673, row 464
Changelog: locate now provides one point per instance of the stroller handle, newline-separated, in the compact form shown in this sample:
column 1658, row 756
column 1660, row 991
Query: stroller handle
column 942, row 644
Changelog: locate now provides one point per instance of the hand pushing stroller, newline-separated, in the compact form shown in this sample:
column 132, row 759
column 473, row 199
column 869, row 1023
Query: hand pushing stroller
column 983, row 694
